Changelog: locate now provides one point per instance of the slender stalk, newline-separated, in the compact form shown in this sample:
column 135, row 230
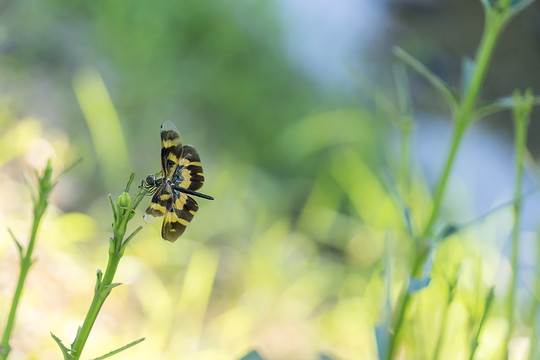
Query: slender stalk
column 40, row 205
column 495, row 22
column 442, row 332
column 97, row 302
column 533, row 350
column 521, row 120
column 398, row 324
column 406, row 123
column 122, row 215
column 441, row 184
column 487, row 306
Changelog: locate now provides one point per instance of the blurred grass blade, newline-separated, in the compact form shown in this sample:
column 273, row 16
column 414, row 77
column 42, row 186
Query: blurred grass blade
column 403, row 92
column 487, row 305
column 400, row 204
column 502, row 104
column 193, row 301
column 406, row 125
column 452, row 229
column 452, row 285
column 382, row 330
column 449, row 95
column 65, row 351
column 521, row 117
column 114, row 352
column 103, row 123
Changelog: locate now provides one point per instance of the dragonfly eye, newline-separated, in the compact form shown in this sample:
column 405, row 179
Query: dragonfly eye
column 151, row 180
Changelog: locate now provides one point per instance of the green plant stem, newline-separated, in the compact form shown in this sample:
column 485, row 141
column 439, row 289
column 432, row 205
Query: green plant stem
column 521, row 119
column 442, row 183
column 26, row 261
column 442, row 332
column 495, row 22
column 403, row 303
column 100, row 295
column 405, row 159
column 487, row 306
column 398, row 324
column 405, row 125
column 533, row 350
column 535, row 304
column 105, row 284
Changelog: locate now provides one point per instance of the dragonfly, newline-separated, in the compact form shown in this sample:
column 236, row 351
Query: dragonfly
column 180, row 176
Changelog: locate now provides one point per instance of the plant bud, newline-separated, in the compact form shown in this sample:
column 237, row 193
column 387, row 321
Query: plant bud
column 123, row 200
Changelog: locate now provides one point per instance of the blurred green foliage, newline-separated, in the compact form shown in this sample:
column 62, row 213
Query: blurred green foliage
column 306, row 243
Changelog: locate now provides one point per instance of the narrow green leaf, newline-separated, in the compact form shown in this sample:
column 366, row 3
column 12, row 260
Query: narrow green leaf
column 17, row 243
column 383, row 329
column 494, row 107
column 489, row 300
column 402, row 89
column 70, row 167
column 400, row 204
column 130, row 237
column 30, row 186
column 65, row 351
column 64, row 172
column 102, row 118
column 128, row 185
column 120, row 349
column 111, row 286
column 446, row 91
column 76, row 336
column 99, row 277
column 452, row 229
column 113, row 208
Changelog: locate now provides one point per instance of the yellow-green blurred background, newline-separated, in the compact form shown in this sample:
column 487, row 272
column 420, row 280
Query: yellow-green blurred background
column 285, row 102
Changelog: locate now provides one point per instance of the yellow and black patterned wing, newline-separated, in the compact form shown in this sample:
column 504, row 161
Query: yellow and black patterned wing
column 162, row 202
column 178, row 218
column 171, row 149
column 190, row 173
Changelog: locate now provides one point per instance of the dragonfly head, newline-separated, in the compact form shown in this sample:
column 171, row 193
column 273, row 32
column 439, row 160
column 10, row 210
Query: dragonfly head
column 150, row 180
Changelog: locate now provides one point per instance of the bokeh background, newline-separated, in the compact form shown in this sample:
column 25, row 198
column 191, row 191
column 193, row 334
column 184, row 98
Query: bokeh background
column 282, row 100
